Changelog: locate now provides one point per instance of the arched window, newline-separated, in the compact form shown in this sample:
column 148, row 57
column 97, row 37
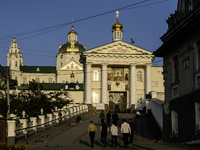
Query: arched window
column 37, row 80
column 95, row 75
column 139, row 76
column 61, row 56
column 61, row 64
column 50, row 80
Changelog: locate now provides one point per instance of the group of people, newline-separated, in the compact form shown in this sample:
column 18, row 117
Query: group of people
column 127, row 129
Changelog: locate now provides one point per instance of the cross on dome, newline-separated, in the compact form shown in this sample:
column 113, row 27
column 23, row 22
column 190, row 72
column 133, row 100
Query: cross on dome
column 117, row 12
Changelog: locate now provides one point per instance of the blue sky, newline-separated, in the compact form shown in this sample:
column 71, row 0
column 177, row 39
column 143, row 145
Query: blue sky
column 145, row 23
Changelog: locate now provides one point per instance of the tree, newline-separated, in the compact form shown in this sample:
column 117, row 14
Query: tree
column 32, row 99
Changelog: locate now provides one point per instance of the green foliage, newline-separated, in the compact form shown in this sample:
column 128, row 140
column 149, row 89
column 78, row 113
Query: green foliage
column 32, row 99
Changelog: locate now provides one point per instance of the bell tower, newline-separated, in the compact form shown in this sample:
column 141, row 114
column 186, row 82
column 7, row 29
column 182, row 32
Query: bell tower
column 14, row 57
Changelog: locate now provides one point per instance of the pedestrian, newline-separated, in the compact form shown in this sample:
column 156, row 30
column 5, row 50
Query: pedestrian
column 132, row 126
column 108, row 116
column 102, row 117
column 115, row 118
column 104, row 129
column 126, row 131
column 114, row 134
column 92, row 129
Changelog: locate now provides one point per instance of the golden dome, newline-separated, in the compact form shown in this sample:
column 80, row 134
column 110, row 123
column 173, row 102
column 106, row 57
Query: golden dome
column 14, row 41
column 69, row 47
column 72, row 31
column 117, row 26
column 72, row 45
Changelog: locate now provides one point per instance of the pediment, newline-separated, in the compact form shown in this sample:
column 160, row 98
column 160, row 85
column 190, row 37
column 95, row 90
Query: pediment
column 72, row 65
column 119, row 47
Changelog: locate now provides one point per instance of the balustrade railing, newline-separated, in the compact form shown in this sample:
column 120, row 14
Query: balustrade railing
column 36, row 124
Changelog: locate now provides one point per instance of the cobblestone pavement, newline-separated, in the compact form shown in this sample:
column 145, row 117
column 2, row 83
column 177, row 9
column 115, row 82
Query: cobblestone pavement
column 63, row 137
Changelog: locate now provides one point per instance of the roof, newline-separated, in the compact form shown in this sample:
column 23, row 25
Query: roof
column 116, row 43
column 38, row 69
column 67, row 47
column 52, row 87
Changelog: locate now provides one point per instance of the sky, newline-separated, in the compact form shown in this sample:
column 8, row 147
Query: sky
column 40, row 26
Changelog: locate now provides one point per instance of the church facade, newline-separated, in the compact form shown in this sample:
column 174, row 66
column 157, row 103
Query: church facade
column 117, row 73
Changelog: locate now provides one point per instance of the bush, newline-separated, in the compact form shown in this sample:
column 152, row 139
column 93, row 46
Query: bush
column 5, row 146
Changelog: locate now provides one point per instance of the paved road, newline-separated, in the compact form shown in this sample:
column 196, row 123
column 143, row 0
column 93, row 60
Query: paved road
column 76, row 138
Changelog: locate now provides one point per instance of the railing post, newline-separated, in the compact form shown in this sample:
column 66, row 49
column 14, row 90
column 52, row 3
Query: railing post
column 50, row 116
column 11, row 131
column 23, row 121
column 34, row 121
column 56, row 114
column 42, row 118
column 63, row 115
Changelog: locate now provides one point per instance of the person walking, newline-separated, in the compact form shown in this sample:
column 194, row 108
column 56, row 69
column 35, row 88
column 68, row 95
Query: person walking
column 108, row 116
column 92, row 129
column 132, row 126
column 126, row 131
column 114, row 134
column 104, row 129
column 102, row 117
column 115, row 118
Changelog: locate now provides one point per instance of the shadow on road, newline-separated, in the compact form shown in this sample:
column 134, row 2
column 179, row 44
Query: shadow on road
column 84, row 142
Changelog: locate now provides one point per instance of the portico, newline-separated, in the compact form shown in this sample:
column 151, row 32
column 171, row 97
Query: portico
column 117, row 63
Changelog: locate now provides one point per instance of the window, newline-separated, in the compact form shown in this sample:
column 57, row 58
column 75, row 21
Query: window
column 175, row 69
column 198, row 54
column 61, row 64
column 50, row 80
column 24, row 80
column 37, row 80
column 197, row 115
column 15, row 63
column 95, row 97
column 154, row 83
column 175, row 91
column 95, row 75
column 61, row 56
column 198, row 81
column 139, row 76
column 174, row 121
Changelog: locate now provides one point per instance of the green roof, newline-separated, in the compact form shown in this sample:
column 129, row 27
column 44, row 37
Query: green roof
column 53, row 87
column 38, row 69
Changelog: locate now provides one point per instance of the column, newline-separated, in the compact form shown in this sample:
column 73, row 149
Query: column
column 148, row 78
column 88, row 86
column 11, row 131
column 104, row 84
column 132, row 84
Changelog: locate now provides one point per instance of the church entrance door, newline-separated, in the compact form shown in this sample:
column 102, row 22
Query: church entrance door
column 117, row 101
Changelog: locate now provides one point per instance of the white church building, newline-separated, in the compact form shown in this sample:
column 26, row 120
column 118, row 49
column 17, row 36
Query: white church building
column 117, row 73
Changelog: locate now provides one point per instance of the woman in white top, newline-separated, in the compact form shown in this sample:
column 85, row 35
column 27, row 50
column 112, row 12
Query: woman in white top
column 114, row 134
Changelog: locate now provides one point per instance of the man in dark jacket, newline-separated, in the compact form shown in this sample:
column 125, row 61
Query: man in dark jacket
column 108, row 116
column 115, row 118
column 132, row 126
column 104, row 129
column 102, row 117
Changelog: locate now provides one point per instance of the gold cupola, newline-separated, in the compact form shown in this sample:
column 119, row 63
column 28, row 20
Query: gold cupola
column 72, row 44
column 117, row 29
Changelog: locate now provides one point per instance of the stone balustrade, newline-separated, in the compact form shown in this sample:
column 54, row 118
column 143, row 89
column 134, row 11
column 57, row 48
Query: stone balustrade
column 33, row 124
